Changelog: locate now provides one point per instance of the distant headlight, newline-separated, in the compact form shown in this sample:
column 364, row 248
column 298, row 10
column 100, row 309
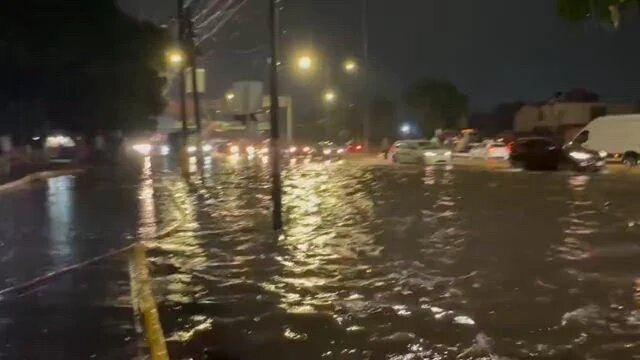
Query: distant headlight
column 603, row 154
column 448, row 153
column 143, row 149
column 579, row 155
column 327, row 151
column 207, row 148
column 340, row 151
column 164, row 150
column 293, row 149
column 234, row 149
column 430, row 153
column 191, row 149
column 306, row 149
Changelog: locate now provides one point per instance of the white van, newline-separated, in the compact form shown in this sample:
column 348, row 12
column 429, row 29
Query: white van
column 617, row 135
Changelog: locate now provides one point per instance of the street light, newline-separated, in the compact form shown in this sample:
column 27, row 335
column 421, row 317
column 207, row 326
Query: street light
column 230, row 96
column 305, row 62
column 329, row 96
column 175, row 56
column 350, row 66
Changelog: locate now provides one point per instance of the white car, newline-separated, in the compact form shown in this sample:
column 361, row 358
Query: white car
column 420, row 152
column 489, row 149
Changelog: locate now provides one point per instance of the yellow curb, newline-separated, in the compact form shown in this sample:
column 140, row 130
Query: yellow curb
column 144, row 302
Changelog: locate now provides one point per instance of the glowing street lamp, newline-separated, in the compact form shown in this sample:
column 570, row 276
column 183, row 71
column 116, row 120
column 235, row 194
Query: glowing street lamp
column 350, row 66
column 305, row 62
column 405, row 129
column 230, row 96
column 175, row 57
column 329, row 96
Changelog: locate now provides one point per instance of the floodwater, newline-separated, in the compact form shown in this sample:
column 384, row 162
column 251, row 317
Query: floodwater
column 385, row 262
column 377, row 262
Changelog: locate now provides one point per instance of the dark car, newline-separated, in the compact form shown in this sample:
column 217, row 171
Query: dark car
column 541, row 153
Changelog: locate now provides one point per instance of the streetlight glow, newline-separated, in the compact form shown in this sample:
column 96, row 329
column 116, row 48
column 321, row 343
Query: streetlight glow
column 305, row 62
column 329, row 96
column 176, row 57
column 350, row 66
column 230, row 96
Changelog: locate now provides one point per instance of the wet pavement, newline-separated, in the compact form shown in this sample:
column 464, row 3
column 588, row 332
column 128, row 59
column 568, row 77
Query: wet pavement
column 377, row 262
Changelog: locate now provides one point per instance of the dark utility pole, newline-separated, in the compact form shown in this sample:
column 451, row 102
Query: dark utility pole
column 184, row 161
column 192, row 54
column 366, row 128
column 276, row 190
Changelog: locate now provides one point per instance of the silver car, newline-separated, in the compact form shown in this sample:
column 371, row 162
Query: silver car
column 419, row 151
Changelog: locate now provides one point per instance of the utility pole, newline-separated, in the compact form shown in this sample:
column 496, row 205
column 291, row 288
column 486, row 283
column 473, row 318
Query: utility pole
column 184, row 157
column 192, row 54
column 276, row 185
column 366, row 126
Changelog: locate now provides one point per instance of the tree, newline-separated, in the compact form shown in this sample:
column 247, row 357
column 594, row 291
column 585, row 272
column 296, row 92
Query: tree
column 87, row 65
column 438, row 103
column 609, row 10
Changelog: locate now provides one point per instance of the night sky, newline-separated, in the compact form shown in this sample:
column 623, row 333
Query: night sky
column 493, row 50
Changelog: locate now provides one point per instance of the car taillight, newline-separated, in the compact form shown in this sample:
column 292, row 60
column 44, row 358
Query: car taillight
column 359, row 147
column 509, row 147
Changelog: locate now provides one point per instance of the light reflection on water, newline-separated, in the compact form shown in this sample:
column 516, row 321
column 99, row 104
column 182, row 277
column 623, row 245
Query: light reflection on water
column 400, row 263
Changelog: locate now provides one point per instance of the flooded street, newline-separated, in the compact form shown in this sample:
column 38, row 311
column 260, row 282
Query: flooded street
column 383, row 262
column 377, row 262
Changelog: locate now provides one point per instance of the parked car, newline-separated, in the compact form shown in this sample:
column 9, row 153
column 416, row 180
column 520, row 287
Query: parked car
column 328, row 149
column 298, row 150
column 353, row 147
column 541, row 153
column 490, row 149
column 419, row 151
column 617, row 136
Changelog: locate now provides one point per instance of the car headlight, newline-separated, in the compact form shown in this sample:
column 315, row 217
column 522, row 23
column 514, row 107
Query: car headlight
column 448, row 153
column 327, row 151
column 207, row 148
column 143, row 149
column 603, row 154
column 234, row 149
column 293, row 149
column 164, row 150
column 340, row 151
column 579, row 155
column 430, row 153
column 191, row 149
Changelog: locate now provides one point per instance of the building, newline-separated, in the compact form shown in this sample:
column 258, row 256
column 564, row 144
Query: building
column 563, row 118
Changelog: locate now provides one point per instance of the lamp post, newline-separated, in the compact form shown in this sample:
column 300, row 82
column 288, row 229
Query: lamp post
column 276, row 181
column 184, row 157
column 366, row 124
